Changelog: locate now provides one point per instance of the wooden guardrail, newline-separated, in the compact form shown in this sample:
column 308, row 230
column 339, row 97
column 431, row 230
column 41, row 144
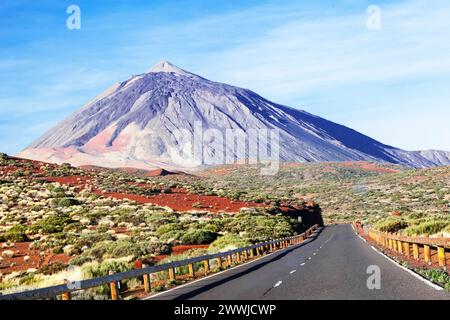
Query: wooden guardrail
column 420, row 248
column 238, row 255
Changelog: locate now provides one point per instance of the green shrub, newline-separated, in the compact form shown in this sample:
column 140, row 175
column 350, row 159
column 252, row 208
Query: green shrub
column 198, row 236
column 197, row 205
column 16, row 234
column 439, row 276
column 228, row 241
column 391, row 225
column 125, row 248
column 54, row 223
column 65, row 202
column 259, row 226
column 80, row 260
column 426, row 228
column 95, row 270
column 168, row 228
column 172, row 235
column 52, row 268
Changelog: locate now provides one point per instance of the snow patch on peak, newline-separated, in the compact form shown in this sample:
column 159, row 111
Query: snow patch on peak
column 166, row 66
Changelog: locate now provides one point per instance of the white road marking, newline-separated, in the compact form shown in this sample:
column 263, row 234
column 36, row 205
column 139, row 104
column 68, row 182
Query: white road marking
column 424, row 280
column 277, row 284
column 209, row 276
column 293, row 271
column 415, row 275
column 362, row 238
column 314, row 254
column 309, row 258
column 302, row 264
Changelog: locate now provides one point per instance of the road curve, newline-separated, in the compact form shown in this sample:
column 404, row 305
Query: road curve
column 331, row 265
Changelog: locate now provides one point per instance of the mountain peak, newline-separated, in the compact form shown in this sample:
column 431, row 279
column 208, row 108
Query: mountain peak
column 166, row 66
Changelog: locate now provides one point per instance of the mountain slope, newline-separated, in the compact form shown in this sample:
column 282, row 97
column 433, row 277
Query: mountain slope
column 137, row 122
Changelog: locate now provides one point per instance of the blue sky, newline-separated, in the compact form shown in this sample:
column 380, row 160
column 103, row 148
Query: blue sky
column 391, row 84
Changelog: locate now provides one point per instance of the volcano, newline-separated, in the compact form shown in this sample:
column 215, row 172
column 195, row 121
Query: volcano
column 137, row 123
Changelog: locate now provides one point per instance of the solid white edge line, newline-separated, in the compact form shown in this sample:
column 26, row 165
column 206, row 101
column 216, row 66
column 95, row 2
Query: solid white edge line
column 414, row 274
column 220, row 272
column 417, row 276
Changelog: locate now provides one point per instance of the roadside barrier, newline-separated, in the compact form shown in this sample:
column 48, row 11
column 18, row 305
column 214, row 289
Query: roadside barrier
column 419, row 248
column 236, row 256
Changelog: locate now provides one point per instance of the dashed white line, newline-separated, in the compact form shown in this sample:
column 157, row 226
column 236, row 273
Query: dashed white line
column 302, row 264
column 293, row 271
column 314, row 253
column 277, row 284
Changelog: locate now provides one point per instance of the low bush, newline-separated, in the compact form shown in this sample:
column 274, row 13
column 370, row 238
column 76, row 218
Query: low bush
column 440, row 277
column 65, row 202
column 53, row 223
column 227, row 242
column 426, row 228
column 170, row 227
column 198, row 236
column 391, row 225
column 16, row 234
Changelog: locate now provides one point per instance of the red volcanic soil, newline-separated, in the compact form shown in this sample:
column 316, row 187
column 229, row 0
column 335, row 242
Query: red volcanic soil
column 185, row 201
column 178, row 200
column 36, row 260
column 74, row 181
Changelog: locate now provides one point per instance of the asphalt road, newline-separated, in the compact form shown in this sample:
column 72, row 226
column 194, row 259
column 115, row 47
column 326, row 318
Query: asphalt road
column 331, row 265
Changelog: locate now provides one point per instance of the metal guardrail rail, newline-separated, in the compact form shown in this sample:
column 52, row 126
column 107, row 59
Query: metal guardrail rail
column 64, row 290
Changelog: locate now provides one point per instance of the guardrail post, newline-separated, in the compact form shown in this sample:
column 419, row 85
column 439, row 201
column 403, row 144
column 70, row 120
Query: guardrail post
column 113, row 287
column 245, row 254
column 171, row 274
column 238, row 257
column 230, row 260
column 441, row 257
column 416, row 251
column 395, row 245
column 427, row 253
column 206, row 264
column 219, row 263
column 251, row 253
column 65, row 295
column 191, row 270
column 400, row 246
column 146, row 278
column 407, row 251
